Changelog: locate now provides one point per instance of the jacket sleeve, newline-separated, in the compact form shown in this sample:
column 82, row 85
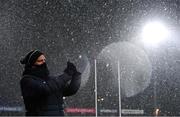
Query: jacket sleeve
column 34, row 88
column 73, row 86
column 60, row 82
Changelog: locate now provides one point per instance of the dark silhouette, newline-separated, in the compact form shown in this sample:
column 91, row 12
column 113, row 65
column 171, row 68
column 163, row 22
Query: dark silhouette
column 43, row 94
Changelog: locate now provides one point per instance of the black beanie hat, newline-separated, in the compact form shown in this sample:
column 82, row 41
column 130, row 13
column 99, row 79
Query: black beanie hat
column 31, row 57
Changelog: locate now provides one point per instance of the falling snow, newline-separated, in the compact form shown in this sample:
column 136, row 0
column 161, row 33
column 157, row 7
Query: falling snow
column 84, row 30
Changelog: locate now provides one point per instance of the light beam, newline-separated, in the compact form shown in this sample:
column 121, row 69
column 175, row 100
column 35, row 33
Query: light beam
column 154, row 32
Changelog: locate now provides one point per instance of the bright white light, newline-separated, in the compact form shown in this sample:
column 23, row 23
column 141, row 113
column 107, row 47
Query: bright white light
column 157, row 112
column 102, row 99
column 107, row 65
column 154, row 32
column 80, row 56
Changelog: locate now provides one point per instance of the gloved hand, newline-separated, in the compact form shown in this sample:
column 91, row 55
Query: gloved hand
column 70, row 69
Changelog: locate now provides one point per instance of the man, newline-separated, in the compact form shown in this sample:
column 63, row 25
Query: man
column 43, row 94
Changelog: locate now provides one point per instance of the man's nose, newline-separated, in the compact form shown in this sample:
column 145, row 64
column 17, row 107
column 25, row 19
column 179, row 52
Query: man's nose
column 43, row 60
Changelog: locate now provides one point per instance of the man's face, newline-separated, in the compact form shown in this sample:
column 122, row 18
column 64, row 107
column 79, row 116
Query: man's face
column 41, row 60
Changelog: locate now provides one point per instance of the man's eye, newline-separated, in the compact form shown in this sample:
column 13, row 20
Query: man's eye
column 40, row 60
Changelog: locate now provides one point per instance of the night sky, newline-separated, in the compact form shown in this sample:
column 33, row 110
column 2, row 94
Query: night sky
column 68, row 29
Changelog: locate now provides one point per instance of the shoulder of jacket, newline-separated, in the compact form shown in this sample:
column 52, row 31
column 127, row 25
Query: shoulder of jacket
column 26, row 76
column 30, row 77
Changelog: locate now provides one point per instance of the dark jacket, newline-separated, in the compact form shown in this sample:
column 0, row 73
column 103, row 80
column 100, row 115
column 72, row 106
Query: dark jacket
column 45, row 97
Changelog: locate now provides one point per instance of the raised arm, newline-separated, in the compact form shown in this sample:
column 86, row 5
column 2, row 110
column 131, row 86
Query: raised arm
column 72, row 88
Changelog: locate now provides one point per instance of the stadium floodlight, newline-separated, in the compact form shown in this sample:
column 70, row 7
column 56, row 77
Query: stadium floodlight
column 154, row 32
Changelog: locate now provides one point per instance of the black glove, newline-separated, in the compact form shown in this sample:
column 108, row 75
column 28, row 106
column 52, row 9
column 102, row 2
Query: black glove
column 71, row 69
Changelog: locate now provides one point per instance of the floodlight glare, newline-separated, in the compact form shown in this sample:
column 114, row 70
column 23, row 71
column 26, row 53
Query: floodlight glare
column 154, row 32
